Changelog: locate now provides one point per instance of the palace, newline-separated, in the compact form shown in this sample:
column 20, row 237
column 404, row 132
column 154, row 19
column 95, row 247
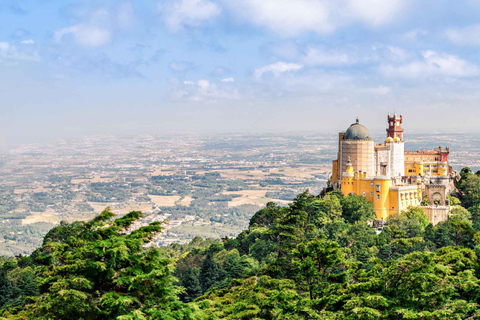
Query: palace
column 389, row 176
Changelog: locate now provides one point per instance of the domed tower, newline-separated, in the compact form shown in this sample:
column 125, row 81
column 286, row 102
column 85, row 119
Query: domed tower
column 357, row 144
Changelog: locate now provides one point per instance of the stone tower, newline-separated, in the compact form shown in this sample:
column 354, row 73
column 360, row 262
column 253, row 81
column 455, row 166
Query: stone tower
column 357, row 145
column 395, row 129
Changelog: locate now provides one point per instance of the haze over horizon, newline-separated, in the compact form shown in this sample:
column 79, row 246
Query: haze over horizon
column 74, row 68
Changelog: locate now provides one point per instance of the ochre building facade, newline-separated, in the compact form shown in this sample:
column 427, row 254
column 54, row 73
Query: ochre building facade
column 392, row 178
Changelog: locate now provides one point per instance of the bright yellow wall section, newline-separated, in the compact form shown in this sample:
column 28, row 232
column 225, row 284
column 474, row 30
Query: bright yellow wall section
column 386, row 199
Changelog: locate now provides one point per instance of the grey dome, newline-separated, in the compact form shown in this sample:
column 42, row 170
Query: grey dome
column 357, row 131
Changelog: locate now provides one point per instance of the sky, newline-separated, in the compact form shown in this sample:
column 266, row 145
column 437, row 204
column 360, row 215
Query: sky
column 73, row 68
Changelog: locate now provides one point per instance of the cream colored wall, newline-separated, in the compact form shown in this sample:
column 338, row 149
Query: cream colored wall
column 361, row 153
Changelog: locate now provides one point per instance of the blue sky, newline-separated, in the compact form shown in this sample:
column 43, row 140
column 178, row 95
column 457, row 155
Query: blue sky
column 70, row 68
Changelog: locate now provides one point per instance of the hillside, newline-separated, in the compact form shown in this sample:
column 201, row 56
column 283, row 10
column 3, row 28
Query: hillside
column 317, row 258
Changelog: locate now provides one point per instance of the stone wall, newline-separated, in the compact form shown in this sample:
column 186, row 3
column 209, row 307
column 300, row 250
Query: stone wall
column 436, row 214
column 361, row 153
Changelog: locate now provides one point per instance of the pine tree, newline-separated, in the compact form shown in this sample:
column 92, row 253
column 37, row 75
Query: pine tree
column 189, row 281
column 209, row 272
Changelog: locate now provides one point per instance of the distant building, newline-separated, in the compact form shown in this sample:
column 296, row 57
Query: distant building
column 390, row 177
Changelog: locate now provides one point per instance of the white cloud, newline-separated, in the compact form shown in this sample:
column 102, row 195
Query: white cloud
column 29, row 41
column 468, row 36
column 414, row 35
column 188, row 13
column 338, row 55
column 374, row 12
column 4, row 46
column 397, row 54
column 9, row 53
column 318, row 56
column 277, row 69
column 204, row 90
column 381, row 90
column 433, row 64
column 85, row 35
column 285, row 16
column 228, row 80
column 290, row 18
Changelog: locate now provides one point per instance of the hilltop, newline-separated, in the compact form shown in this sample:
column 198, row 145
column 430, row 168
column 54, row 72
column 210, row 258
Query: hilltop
column 315, row 259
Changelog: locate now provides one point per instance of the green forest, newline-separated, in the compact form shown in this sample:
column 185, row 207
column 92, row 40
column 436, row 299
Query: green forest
column 317, row 258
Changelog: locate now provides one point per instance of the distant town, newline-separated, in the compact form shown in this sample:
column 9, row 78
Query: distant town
column 204, row 185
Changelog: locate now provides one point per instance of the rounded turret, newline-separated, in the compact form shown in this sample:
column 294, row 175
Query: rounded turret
column 357, row 131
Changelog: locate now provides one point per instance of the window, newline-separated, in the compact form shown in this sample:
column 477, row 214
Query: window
column 364, row 193
column 378, row 197
column 371, row 194
column 378, row 188
column 371, row 184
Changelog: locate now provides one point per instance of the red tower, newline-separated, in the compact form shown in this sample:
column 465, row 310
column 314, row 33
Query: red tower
column 395, row 127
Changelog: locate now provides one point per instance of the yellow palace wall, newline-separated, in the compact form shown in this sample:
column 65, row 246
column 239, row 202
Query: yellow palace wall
column 420, row 168
column 386, row 199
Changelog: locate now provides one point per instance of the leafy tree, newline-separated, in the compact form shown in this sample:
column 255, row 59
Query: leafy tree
column 337, row 193
column 265, row 217
column 331, row 206
column 422, row 287
column 290, row 227
column 357, row 208
column 469, row 186
column 454, row 201
column 463, row 231
column 475, row 216
column 257, row 298
column 459, row 213
column 317, row 264
column 315, row 259
column 358, row 238
column 101, row 270
column 412, row 221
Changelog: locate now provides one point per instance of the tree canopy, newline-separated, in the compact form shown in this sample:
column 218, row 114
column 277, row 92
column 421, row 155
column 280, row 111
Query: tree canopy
column 317, row 258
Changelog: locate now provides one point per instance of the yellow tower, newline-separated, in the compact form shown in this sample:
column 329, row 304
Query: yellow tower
column 381, row 200
column 347, row 179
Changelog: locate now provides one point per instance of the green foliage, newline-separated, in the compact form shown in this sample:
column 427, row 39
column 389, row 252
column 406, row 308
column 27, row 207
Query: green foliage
column 209, row 272
column 412, row 221
column 357, row 208
column 317, row 258
column 469, row 186
column 454, row 201
column 101, row 270
column 318, row 264
column 257, row 298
